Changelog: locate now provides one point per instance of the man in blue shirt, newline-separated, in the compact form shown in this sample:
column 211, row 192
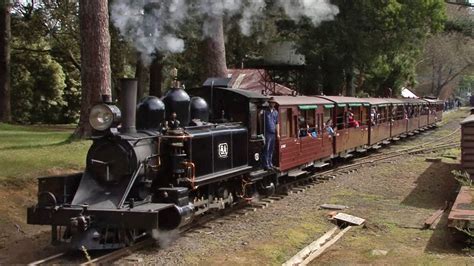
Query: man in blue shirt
column 272, row 131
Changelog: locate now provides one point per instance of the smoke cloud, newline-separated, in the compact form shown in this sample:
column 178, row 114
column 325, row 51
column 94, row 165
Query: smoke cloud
column 165, row 238
column 154, row 25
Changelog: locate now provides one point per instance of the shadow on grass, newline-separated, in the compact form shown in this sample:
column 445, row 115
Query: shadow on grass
column 19, row 147
column 445, row 240
column 68, row 140
column 434, row 187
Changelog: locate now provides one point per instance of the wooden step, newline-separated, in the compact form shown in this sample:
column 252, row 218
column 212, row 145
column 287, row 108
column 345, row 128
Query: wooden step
column 320, row 164
column 296, row 173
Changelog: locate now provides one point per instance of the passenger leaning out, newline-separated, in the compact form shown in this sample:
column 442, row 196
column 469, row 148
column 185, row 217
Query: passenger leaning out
column 352, row 121
column 328, row 127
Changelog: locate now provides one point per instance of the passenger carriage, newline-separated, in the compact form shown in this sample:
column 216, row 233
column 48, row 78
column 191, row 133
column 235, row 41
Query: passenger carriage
column 349, row 138
column 436, row 108
column 380, row 124
column 303, row 139
column 399, row 119
column 413, row 111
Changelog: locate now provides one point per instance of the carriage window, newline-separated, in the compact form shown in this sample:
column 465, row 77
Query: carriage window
column 381, row 115
column 327, row 115
column 340, row 117
column 310, row 118
column 399, row 111
column 357, row 112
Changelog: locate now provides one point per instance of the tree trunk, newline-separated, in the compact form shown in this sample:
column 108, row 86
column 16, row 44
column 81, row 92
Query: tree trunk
column 95, row 59
column 214, row 51
column 350, row 88
column 156, row 76
column 5, row 36
column 140, row 75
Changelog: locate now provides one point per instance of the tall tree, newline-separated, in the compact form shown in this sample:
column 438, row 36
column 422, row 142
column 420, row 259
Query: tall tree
column 213, row 49
column 95, row 59
column 5, row 36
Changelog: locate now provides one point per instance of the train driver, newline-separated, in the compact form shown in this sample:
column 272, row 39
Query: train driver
column 173, row 123
column 272, row 131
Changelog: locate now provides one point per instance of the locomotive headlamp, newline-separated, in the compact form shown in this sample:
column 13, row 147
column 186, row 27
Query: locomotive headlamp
column 104, row 116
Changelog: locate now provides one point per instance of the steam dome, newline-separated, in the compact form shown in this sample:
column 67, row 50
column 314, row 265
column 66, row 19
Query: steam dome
column 178, row 101
column 150, row 113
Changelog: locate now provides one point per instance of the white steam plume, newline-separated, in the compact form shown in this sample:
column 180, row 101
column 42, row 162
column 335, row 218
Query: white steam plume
column 152, row 24
column 316, row 10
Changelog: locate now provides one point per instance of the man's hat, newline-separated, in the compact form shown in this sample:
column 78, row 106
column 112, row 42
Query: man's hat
column 272, row 100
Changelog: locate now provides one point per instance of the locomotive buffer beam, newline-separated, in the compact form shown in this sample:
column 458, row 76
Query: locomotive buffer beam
column 146, row 216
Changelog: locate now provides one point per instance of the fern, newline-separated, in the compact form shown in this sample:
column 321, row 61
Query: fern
column 462, row 177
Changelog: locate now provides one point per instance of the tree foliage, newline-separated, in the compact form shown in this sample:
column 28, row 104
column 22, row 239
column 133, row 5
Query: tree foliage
column 371, row 47
column 373, row 44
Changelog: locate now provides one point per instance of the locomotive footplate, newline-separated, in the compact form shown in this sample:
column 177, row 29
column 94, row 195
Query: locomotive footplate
column 146, row 216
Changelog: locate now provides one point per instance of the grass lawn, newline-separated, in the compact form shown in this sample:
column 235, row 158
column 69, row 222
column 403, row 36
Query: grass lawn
column 30, row 151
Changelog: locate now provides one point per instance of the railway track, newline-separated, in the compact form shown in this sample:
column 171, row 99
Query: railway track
column 295, row 186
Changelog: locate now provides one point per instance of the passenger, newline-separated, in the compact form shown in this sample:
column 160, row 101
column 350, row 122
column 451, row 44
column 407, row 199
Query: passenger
column 328, row 127
column 303, row 126
column 272, row 131
column 222, row 118
column 373, row 116
column 349, row 113
column 173, row 123
column 352, row 121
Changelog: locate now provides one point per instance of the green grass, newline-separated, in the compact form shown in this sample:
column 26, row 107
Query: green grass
column 30, row 151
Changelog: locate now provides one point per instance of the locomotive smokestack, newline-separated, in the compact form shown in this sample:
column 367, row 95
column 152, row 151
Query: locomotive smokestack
column 128, row 98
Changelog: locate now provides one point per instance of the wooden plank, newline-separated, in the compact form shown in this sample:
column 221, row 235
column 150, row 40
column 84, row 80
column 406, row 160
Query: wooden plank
column 466, row 144
column 468, row 130
column 333, row 207
column 349, row 218
column 300, row 256
column 436, row 215
column 323, row 248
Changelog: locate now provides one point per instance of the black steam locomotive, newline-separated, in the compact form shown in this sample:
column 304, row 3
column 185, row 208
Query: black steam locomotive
column 141, row 175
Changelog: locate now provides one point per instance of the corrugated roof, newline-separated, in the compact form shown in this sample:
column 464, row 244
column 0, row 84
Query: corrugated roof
column 468, row 120
column 256, row 80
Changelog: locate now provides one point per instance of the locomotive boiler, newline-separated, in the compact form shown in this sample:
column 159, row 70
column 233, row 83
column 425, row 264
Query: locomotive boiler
column 142, row 175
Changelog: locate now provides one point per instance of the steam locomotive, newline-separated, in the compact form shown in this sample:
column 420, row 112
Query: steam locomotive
column 142, row 176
